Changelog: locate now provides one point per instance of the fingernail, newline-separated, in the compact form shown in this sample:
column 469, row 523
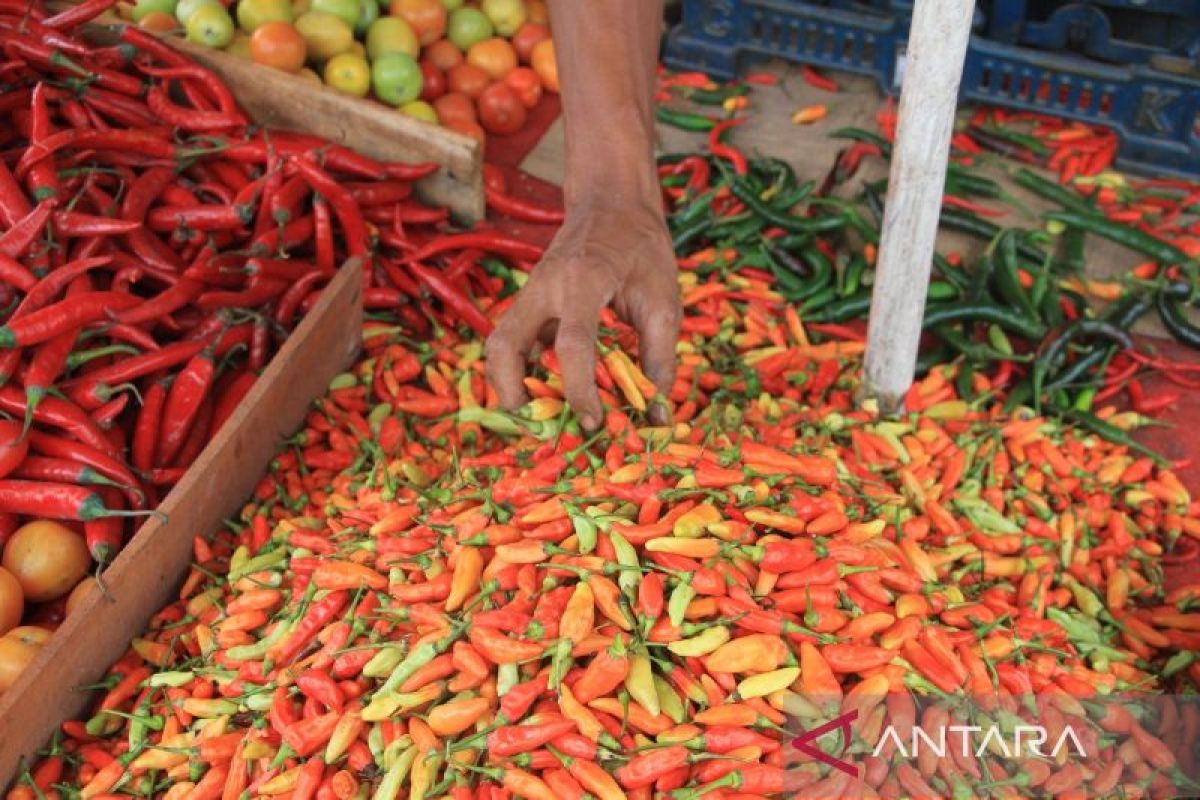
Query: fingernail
column 588, row 422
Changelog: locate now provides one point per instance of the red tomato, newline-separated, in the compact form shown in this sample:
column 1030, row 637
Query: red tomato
column 526, row 38
column 494, row 56
column 467, row 79
column 13, row 446
column 433, row 84
column 454, row 107
column 443, row 55
column 500, row 109
column 526, row 84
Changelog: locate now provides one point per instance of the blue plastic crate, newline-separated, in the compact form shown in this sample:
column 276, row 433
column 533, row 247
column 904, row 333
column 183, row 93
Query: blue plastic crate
column 1155, row 111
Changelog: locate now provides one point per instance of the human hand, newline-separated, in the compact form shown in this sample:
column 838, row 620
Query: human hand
column 603, row 254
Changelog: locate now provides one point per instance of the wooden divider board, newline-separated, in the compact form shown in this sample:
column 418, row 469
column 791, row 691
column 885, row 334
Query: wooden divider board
column 281, row 100
column 147, row 572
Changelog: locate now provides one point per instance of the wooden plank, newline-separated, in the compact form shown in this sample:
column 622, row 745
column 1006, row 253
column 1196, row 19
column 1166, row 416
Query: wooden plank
column 288, row 102
column 937, row 45
column 147, row 573
column 281, row 100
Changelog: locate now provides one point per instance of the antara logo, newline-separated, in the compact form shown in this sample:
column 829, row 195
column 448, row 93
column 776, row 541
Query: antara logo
column 1025, row 739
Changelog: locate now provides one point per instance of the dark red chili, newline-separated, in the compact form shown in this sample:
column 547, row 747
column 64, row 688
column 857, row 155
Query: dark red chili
column 69, row 314
column 727, row 152
column 453, row 297
column 187, row 393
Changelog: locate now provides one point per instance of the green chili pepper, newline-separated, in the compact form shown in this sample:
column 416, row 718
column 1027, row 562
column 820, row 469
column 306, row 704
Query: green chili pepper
column 1133, row 238
column 681, row 597
column 1012, row 321
column 683, row 120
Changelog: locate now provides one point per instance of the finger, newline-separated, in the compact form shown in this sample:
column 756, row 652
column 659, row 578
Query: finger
column 507, row 348
column 658, row 331
column 576, row 349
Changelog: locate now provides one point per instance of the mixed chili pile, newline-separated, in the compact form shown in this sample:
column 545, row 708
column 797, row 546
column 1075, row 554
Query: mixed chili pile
column 431, row 597
column 1024, row 311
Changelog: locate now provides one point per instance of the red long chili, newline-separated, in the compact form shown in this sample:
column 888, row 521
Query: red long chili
column 16, row 240
column 14, row 206
column 104, row 536
column 145, row 431
column 183, row 404
column 727, row 152
column 486, row 241
column 453, row 296
column 75, row 16
column 54, row 500
column 345, row 208
column 61, row 414
column 522, row 209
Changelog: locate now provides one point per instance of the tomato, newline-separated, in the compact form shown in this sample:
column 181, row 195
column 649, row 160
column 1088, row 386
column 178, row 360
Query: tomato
column 467, row 26
column 210, row 25
column 17, row 649
column 506, row 15
column 427, row 17
column 252, row 14
column 527, row 38
column 494, row 56
column 454, row 107
column 13, row 446
column 526, row 84
column 47, row 559
column 396, row 79
column 443, row 55
column 467, row 127
column 544, row 64
column 501, row 110
column 12, row 601
column 391, row 35
column 78, row 593
column 279, row 45
column 433, row 84
column 468, row 79
column 536, row 11
column 349, row 73
column 158, row 22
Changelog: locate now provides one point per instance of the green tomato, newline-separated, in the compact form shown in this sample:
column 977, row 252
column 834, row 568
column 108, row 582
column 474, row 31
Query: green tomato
column 391, row 35
column 452, row 5
column 467, row 26
column 506, row 15
column 144, row 7
column 346, row 10
column 419, row 109
column 368, row 12
column 396, row 78
column 210, row 25
column 251, row 14
column 185, row 8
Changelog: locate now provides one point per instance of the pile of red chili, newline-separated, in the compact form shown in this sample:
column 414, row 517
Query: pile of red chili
column 155, row 250
column 433, row 598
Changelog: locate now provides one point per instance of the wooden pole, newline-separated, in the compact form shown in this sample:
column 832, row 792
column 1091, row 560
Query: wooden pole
column 937, row 45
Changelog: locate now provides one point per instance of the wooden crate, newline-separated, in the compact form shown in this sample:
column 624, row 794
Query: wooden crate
column 288, row 102
column 148, row 571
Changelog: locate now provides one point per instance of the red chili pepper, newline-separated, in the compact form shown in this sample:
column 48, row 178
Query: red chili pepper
column 722, row 150
column 187, row 392
column 488, row 242
column 454, row 298
column 319, row 614
column 73, row 17
column 53, row 500
column 817, row 80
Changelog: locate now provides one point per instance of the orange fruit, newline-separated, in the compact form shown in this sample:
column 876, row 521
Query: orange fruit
column 454, row 106
column 468, row 79
column 279, row 45
column 495, row 56
column 526, row 83
column 545, row 65
column 443, row 55
column 158, row 22
column 527, row 37
column 427, row 17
